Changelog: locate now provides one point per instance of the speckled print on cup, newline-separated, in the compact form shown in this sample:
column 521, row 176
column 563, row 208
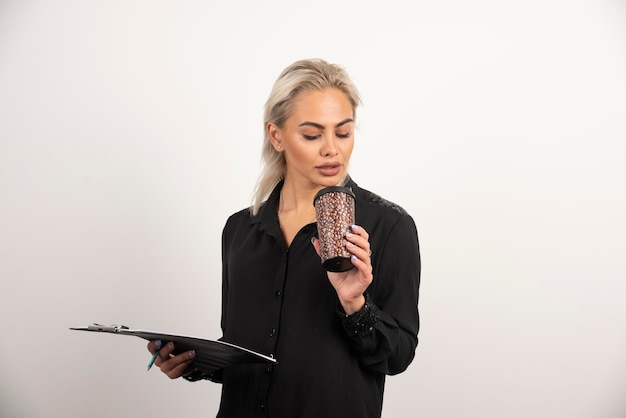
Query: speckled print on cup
column 334, row 208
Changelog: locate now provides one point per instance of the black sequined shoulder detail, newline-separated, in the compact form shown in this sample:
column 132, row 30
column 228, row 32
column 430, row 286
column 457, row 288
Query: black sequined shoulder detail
column 377, row 200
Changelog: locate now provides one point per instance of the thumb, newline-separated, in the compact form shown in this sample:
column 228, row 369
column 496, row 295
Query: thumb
column 316, row 244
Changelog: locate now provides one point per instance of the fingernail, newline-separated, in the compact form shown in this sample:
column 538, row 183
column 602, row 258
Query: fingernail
column 158, row 343
column 350, row 245
column 354, row 227
column 192, row 353
column 349, row 234
column 312, row 240
column 354, row 258
column 171, row 345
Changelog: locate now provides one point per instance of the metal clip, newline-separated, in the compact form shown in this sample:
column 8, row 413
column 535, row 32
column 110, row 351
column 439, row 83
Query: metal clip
column 107, row 328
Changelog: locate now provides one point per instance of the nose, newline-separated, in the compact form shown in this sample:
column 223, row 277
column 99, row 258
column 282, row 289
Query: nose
column 329, row 146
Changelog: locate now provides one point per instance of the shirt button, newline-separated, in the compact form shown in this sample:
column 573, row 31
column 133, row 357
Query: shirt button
column 306, row 229
column 267, row 370
column 273, row 332
column 278, row 293
column 261, row 406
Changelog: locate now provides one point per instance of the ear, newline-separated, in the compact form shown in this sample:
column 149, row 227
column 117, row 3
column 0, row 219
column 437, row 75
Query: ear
column 274, row 134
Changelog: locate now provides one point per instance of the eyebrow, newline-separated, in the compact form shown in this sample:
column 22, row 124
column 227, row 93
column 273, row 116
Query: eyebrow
column 317, row 125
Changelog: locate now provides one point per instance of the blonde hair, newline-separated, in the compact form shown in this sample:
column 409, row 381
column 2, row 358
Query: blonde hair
column 301, row 76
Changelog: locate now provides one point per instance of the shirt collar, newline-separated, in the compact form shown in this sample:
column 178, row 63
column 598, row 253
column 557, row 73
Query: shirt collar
column 267, row 217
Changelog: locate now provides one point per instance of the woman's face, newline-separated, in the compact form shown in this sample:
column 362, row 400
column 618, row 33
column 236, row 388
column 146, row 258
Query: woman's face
column 317, row 138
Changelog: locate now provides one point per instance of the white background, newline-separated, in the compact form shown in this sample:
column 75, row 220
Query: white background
column 130, row 130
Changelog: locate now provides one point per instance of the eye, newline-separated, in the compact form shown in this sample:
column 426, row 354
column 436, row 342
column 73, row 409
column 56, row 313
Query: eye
column 343, row 136
column 310, row 137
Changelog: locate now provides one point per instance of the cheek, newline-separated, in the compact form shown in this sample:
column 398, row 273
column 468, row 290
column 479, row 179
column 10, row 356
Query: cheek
column 347, row 147
column 296, row 155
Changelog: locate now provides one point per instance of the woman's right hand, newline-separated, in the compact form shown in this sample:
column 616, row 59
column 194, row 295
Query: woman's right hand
column 174, row 366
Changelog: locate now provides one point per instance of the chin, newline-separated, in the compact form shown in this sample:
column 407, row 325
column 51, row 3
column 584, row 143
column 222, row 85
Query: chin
column 332, row 181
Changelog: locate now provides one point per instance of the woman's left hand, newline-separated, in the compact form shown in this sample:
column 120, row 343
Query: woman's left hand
column 351, row 285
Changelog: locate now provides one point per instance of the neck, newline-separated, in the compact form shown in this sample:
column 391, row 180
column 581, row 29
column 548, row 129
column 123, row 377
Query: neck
column 296, row 198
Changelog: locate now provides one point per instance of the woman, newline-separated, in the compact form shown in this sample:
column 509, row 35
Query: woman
column 335, row 335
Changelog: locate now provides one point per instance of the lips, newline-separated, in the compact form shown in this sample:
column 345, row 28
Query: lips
column 331, row 169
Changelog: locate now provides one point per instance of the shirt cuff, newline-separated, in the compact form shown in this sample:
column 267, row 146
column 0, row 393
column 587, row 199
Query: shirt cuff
column 361, row 322
column 196, row 375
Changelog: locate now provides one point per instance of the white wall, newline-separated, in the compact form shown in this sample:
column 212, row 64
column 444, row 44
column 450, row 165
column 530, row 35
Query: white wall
column 130, row 130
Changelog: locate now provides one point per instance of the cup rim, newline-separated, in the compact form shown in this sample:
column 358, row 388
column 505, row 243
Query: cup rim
column 331, row 189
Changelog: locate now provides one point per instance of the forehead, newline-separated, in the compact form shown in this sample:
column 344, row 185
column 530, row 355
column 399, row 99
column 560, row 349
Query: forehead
column 329, row 105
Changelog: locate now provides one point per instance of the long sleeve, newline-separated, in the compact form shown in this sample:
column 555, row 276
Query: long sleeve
column 390, row 345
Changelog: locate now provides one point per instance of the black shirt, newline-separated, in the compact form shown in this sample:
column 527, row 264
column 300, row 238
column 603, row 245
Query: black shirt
column 279, row 302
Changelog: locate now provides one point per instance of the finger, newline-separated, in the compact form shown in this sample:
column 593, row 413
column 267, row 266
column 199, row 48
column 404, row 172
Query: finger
column 184, row 367
column 358, row 245
column 154, row 345
column 359, row 230
column 364, row 268
column 359, row 252
column 362, row 261
column 165, row 353
column 359, row 237
column 174, row 366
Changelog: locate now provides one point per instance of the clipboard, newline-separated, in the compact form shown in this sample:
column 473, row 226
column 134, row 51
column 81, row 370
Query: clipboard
column 211, row 355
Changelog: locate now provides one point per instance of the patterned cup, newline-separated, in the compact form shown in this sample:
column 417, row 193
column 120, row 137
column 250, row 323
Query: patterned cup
column 334, row 208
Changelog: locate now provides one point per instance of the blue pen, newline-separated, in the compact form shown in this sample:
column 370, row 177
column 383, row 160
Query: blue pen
column 155, row 355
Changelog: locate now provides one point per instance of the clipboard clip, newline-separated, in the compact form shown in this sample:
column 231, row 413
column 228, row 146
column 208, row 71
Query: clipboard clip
column 107, row 328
